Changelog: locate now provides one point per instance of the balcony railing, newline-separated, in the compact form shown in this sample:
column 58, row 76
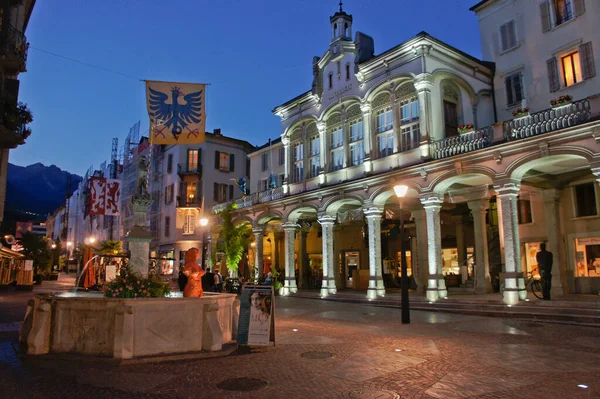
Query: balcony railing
column 549, row 120
column 463, row 143
column 14, row 47
column 183, row 202
column 252, row 199
column 186, row 169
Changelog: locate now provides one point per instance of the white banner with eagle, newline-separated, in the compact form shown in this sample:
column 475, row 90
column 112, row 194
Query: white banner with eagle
column 177, row 112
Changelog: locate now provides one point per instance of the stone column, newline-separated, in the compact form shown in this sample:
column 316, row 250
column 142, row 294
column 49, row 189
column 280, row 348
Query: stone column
column 277, row 240
column 303, row 259
column 139, row 236
column 376, row 287
column 483, row 282
column 259, row 264
column 289, row 230
column 287, row 178
column 323, row 152
column 514, row 285
column 367, row 134
column 436, row 287
column 395, row 119
column 461, row 245
column 328, row 286
column 421, row 264
column 551, row 199
column 423, row 84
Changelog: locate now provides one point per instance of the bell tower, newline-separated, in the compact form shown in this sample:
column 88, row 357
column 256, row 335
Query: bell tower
column 341, row 25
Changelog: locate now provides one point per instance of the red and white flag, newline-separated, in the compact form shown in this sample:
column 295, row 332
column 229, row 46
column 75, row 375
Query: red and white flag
column 105, row 196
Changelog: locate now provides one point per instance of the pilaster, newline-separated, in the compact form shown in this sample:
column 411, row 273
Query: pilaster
column 321, row 127
column 288, row 164
column 424, row 84
column 483, row 282
column 328, row 286
column 551, row 199
column 376, row 288
column 259, row 232
column 289, row 230
column 368, row 133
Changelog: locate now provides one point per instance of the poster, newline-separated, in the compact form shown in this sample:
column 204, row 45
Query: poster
column 28, row 265
column 257, row 319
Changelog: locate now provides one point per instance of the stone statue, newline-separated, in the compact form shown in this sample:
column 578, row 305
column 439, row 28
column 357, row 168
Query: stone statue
column 142, row 182
column 194, row 273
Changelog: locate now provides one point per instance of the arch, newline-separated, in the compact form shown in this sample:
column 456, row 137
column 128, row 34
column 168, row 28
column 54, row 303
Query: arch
column 308, row 119
column 336, row 106
column 380, row 196
column 441, row 74
column 267, row 215
column 518, row 168
column 333, row 204
column 397, row 79
column 241, row 219
column 294, row 213
column 450, row 178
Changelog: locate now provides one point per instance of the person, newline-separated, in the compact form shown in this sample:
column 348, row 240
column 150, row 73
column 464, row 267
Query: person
column 182, row 280
column 208, row 281
column 194, row 274
column 544, row 261
column 269, row 278
column 218, row 281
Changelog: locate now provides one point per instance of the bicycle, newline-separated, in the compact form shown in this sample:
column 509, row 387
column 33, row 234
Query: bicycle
column 533, row 281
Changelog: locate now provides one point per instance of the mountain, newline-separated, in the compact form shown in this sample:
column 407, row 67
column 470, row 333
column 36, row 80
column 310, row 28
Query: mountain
column 37, row 188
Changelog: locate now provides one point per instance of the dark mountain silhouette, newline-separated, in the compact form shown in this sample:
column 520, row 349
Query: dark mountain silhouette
column 37, row 188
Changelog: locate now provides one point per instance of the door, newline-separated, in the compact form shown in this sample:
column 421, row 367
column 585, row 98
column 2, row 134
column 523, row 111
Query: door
column 450, row 119
column 351, row 263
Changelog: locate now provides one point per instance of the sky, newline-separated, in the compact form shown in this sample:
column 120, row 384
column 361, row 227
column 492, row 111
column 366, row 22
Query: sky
column 256, row 54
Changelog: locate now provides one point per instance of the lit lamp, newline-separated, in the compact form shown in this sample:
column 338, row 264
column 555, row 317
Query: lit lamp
column 53, row 246
column 400, row 191
column 92, row 240
column 203, row 222
column 191, row 197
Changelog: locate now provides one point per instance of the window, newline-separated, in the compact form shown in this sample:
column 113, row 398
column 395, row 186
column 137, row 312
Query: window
column 508, row 36
column 192, row 160
column 263, row 185
column 191, row 192
column 298, row 173
column 169, row 194
column 563, row 11
column 514, row 91
column 264, row 161
column 330, row 77
column 280, row 179
column 450, row 118
column 347, row 71
column 315, row 156
column 167, row 226
column 281, row 155
column 557, row 12
column 524, row 211
column 410, row 133
column 357, row 146
column 337, row 148
column 189, row 223
column 385, row 136
column 169, row 163
column 571, row 68
column 384, row 120
column 220, row 192
column 585, row 200
column 223, row 161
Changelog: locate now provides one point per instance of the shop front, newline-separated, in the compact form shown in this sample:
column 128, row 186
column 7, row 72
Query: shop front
column 585, row 254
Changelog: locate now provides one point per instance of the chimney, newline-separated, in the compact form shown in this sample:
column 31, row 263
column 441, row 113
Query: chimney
column 217, row 132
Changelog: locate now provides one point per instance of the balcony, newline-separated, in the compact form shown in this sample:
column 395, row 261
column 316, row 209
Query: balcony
column 463, row 143
column 549, row 120
column 187, row 169
column 13, row 49
column 252, row 199
column 11, row 138
column 189, row 202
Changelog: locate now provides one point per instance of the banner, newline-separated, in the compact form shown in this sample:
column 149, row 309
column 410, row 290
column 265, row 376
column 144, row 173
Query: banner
column 23, row 227
column 177, row 112
column 105, row 196
column 256, row 325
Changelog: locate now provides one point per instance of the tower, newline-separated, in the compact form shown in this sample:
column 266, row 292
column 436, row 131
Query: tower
column 341, row 25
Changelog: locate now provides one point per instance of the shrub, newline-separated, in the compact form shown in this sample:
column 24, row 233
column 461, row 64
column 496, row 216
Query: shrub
column 131, row 285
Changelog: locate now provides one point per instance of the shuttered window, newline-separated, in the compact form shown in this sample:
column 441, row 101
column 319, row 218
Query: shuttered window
column 545, row 14
column 508, row 36
column 514, row 89
column 586, row 55
column 571, row 67
column 553, row 82
column 189, row 223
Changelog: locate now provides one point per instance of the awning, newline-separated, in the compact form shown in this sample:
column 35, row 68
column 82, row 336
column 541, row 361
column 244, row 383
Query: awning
column 9, row 253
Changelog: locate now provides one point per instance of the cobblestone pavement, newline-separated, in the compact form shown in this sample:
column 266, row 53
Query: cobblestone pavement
column 339, row 350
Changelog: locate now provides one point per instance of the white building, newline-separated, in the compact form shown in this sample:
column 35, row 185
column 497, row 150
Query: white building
column 478, row 203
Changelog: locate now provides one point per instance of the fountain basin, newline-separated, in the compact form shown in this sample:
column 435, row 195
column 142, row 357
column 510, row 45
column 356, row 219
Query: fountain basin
column 92, row 325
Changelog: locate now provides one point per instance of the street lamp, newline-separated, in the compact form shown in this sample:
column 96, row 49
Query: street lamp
column 400, row 191
column 203, row 222
column 53, row 246
column 92, row 240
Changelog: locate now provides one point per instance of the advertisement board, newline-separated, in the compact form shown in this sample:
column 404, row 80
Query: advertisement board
column 256, row 325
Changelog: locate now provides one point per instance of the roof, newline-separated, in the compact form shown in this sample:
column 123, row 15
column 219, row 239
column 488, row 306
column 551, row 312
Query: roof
column 292, row 100
column 479, row 4
column 271, row 142
column 237, row 141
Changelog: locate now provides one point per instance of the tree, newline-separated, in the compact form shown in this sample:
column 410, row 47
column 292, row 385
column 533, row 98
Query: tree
column 110, row 247
column 36, row 249
column 234, row 239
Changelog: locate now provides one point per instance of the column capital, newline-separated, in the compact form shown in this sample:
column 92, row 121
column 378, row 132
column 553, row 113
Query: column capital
column 290, row 226
column 327, row 220
column 285, row 140
column 431, row 202
column 478, row 205
column 258, row 229
column 365, row 107
column 321, row 127
column 372, row 212
column 507, row 188
column 423, row 82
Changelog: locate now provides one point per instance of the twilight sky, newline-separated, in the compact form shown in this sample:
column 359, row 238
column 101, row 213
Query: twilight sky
column 256, row 54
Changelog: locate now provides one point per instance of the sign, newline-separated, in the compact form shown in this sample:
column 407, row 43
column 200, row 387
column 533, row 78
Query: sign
column 588, row 241
column 338, row 93
column 256, row 326
column 28, row 265
column 177, row 112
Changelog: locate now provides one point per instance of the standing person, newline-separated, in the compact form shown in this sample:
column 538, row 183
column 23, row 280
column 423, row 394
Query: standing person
column 218, row 281
column 544, row 261
column 208, row 281
column 182, row 280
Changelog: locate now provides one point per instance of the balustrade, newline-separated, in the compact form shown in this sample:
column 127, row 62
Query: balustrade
column 463, row 143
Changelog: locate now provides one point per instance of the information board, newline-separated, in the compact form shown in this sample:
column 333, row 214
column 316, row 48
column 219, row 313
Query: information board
column 256, row 326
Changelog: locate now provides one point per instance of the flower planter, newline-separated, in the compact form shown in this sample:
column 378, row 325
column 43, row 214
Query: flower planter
column 517, row 117
column 561, row 105
column 467, row 131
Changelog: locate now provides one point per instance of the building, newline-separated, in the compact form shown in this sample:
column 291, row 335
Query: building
column 480, row 193
column 194, row 178
column 13, row 60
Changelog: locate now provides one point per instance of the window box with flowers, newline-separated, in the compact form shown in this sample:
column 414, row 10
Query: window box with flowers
column 520, row 113
column 561, row 101
column 468, row 128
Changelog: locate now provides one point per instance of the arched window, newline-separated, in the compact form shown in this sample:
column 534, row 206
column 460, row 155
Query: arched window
column 452, row 107
column 314, row 144
column 384, row 126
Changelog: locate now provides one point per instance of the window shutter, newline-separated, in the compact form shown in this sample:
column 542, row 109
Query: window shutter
column 231, row 191
column 231, row 163
column 217, row 159
column 504, row 37
column 552, row 64
column 509, row 93
column 511, row 34
column 192, row 223
column 199, row 157
column 216, row 192
column 545, row 14
column 183, row 193
column 579, row 7
column 518, row 92
column 185, row 223
column 588, row 69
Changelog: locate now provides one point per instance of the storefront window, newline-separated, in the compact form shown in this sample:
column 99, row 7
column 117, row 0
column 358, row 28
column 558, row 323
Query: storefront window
column 531, row 250
column 587, row 256
column 450, row 265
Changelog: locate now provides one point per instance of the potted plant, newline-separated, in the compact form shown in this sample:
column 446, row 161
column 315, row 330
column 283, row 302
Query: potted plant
column 278, row 288
column 561, row 101
column 520, row 112
column 467, row 128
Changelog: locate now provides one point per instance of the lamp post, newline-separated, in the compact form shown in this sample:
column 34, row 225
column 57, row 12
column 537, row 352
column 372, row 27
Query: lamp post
column 400, row 191
column 203, row 224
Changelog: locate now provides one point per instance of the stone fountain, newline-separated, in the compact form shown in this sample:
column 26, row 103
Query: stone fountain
column 90, row 324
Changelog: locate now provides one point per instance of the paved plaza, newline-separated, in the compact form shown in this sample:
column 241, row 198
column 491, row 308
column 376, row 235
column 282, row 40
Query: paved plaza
column 336, row 350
